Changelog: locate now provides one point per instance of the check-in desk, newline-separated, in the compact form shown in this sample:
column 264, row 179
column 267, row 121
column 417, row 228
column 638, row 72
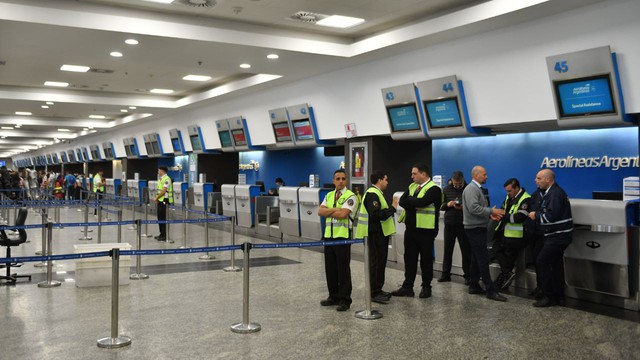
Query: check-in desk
column 215, row 203
column 601, row 264
column 396, row 245
column 111, row 186
column 180, row 194
column 245, row 204
column 153, row 191
column 267, row 216
column 311, row 225
column 228, row 193
column 135, row 188
column 289, row 213
column 200, row 194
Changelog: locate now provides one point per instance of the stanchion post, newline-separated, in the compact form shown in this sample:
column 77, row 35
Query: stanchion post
column 44, row 237
column 115, row 340
column 119, row 225
column 49, row 283
column 138, row 275
column 167, row 212
column 184, row 229
column 367, row 313
column 206, row 256
column 245, row 326
column 80, row 208
column 233, row 267
column 99, row 230
column 146, row 218
column 133, row 214
column 86, row 220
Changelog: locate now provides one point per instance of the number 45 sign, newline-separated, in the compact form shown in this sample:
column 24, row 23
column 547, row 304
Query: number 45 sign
column 561, row 66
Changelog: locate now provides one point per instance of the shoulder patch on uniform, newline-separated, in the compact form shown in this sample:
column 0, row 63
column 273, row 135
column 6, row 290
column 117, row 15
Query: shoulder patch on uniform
column 376, row 204
column 524, row 206
column 350, row 202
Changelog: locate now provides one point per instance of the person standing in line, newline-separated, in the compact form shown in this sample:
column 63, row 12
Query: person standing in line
column 375, row 221
column 476, row 215
column 70, row 184
column 98, row 188
column 421, row 203
column 163, row 197
column 555, row 219
column 511, row 236
column 453, row 228
column 338, row 208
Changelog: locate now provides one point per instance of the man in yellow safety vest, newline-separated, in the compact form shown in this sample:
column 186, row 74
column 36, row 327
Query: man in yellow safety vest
column 163, row 197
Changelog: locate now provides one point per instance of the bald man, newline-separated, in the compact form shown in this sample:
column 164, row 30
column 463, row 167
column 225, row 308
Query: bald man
column 475, row 218
column 552, row 217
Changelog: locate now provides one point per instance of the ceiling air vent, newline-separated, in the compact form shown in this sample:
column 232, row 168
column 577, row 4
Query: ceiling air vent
column 101, row 71
column 199, row 3
column 307, row 17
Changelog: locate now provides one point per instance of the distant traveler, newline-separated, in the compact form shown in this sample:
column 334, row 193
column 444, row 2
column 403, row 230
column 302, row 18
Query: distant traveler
column 453, row 228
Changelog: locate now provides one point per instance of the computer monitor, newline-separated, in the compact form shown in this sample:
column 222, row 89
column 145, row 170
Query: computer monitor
column 403, row 117
column 261, row 184
column 585, row 96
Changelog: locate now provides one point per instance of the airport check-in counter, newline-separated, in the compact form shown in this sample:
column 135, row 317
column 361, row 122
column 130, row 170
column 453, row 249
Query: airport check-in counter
column 289, row 213
column 180, row 198
column 153, row 190
column 245, row 204
column 135, row 188
column 267, row 216
column 200, row 194
column 215, row 203
column 111, row 186
column 311, row 225
column 601, row 264
column 228, row 193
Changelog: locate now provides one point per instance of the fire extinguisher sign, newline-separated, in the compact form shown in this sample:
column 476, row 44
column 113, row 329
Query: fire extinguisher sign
column 358, row 165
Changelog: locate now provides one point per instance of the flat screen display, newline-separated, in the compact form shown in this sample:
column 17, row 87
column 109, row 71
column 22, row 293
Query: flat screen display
column 282, row 131
column 79, row 155
column 586, row 96
column 302, row 130
column 225, row 138
column 176, row 145
column 196, row 144
column 127, row 150
column 55, row 158
column 239, row 138
column 403, row 118
column 443, row 113
column 156, row 148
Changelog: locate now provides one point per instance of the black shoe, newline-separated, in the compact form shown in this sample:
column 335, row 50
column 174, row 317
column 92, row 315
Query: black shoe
column 385, row 294
column 562, row 302
column 161, row 238
column 380, row 299
column 157, row 237
column 467, row 281
column 329, row 302
column 499, row 281
column 403, row 292
column 545, row 302
column 496, row 296
column 425, row 293
column 534, row 292
column 343, row 307
column 445, row 278
column 507, row 279
column 476, row 290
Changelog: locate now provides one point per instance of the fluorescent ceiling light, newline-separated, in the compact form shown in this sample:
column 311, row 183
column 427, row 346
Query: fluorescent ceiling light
column 245, row 66
column 116, row 54
column 161, row 91
column 124, row 110
column 44, row 106
column 6, row 127
column 97, row 116
column 25, row 113
column 64, row 130
column 160, row 1
column 197, row 78
column 339, row 21
column 75, row 68
column 56, row 83
column 273, row 56
column 90, row 127
column 131, row 42
column 132, row 107
column 49, row 102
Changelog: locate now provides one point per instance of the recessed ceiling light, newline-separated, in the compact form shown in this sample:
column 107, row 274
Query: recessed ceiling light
column 197, row 78
column 132, row 107
column 25, row 113
column 116, row 54
column 89, row 127
column 273, row 56
column 49, row 102
column 3, row 137
column 6, row 127
column 56, row 83
column 339, row 21
column 161, row 91
column 97, row 116
column 160, row 1
column 64, row 130
column 92, row 131
column 18, row 126
column 44, row 106
column 124, row 110
column 131, row 42
column 74, row 68
column 85, row 129
column 245, row 66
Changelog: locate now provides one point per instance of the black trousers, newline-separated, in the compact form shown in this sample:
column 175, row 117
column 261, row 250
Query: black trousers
column 507, row 251
column 479, row 258
column 98, row 198
column 378, row 253
column 418, row 243
column 162, row 216
column 338, row 271
column 550, row 270
column 451, row 232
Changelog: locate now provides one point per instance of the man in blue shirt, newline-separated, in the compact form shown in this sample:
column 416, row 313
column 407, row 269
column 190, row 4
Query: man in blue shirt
column 69, row 183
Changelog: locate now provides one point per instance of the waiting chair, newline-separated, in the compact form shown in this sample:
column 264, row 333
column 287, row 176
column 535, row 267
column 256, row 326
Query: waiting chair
column 9, row 242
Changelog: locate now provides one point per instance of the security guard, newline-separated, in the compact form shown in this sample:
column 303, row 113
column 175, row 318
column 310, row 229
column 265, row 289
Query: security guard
column 510, row 237
column 375, row 220
column 98, row 187
column 163, row 197
column 421, row 204
column 338, row 208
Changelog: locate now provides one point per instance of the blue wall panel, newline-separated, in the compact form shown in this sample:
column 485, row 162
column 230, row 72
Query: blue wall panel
column 522, row 155
column 172, row 161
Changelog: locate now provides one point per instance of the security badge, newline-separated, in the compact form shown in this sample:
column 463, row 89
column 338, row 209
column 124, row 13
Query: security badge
column 350, row 202
column 524, row 206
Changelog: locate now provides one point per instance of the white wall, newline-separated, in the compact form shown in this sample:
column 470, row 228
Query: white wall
column 504, row 74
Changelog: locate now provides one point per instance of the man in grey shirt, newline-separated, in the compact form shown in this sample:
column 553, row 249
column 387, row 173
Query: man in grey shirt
column 476, row 214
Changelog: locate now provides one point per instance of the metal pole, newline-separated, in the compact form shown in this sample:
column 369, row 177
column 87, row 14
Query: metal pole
column 81, row 192
column 207, row 256
column 114, row 341
column 367, row 313
column 233, row 267
column 99, row 224
column 167, row 212
column 119, row 226
column 184, row 230
column 138, row 275
column 146, row 218
column 86, row 220
column 44, row 235
column 50, row 282
column 245, row 326
column 133, row 214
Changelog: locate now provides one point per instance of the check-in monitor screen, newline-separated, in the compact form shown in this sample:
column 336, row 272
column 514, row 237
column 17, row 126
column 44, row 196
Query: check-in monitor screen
column 55, row 158
column 302, row 129
column 196, row 144
column 79, row 155
column 225, row 138
column 585, row 96
column 403, row 117
column 443, row 113
column 147, row 145
column 239, row 137
column 282, row 131
column 155, row 145
column 176, row 145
